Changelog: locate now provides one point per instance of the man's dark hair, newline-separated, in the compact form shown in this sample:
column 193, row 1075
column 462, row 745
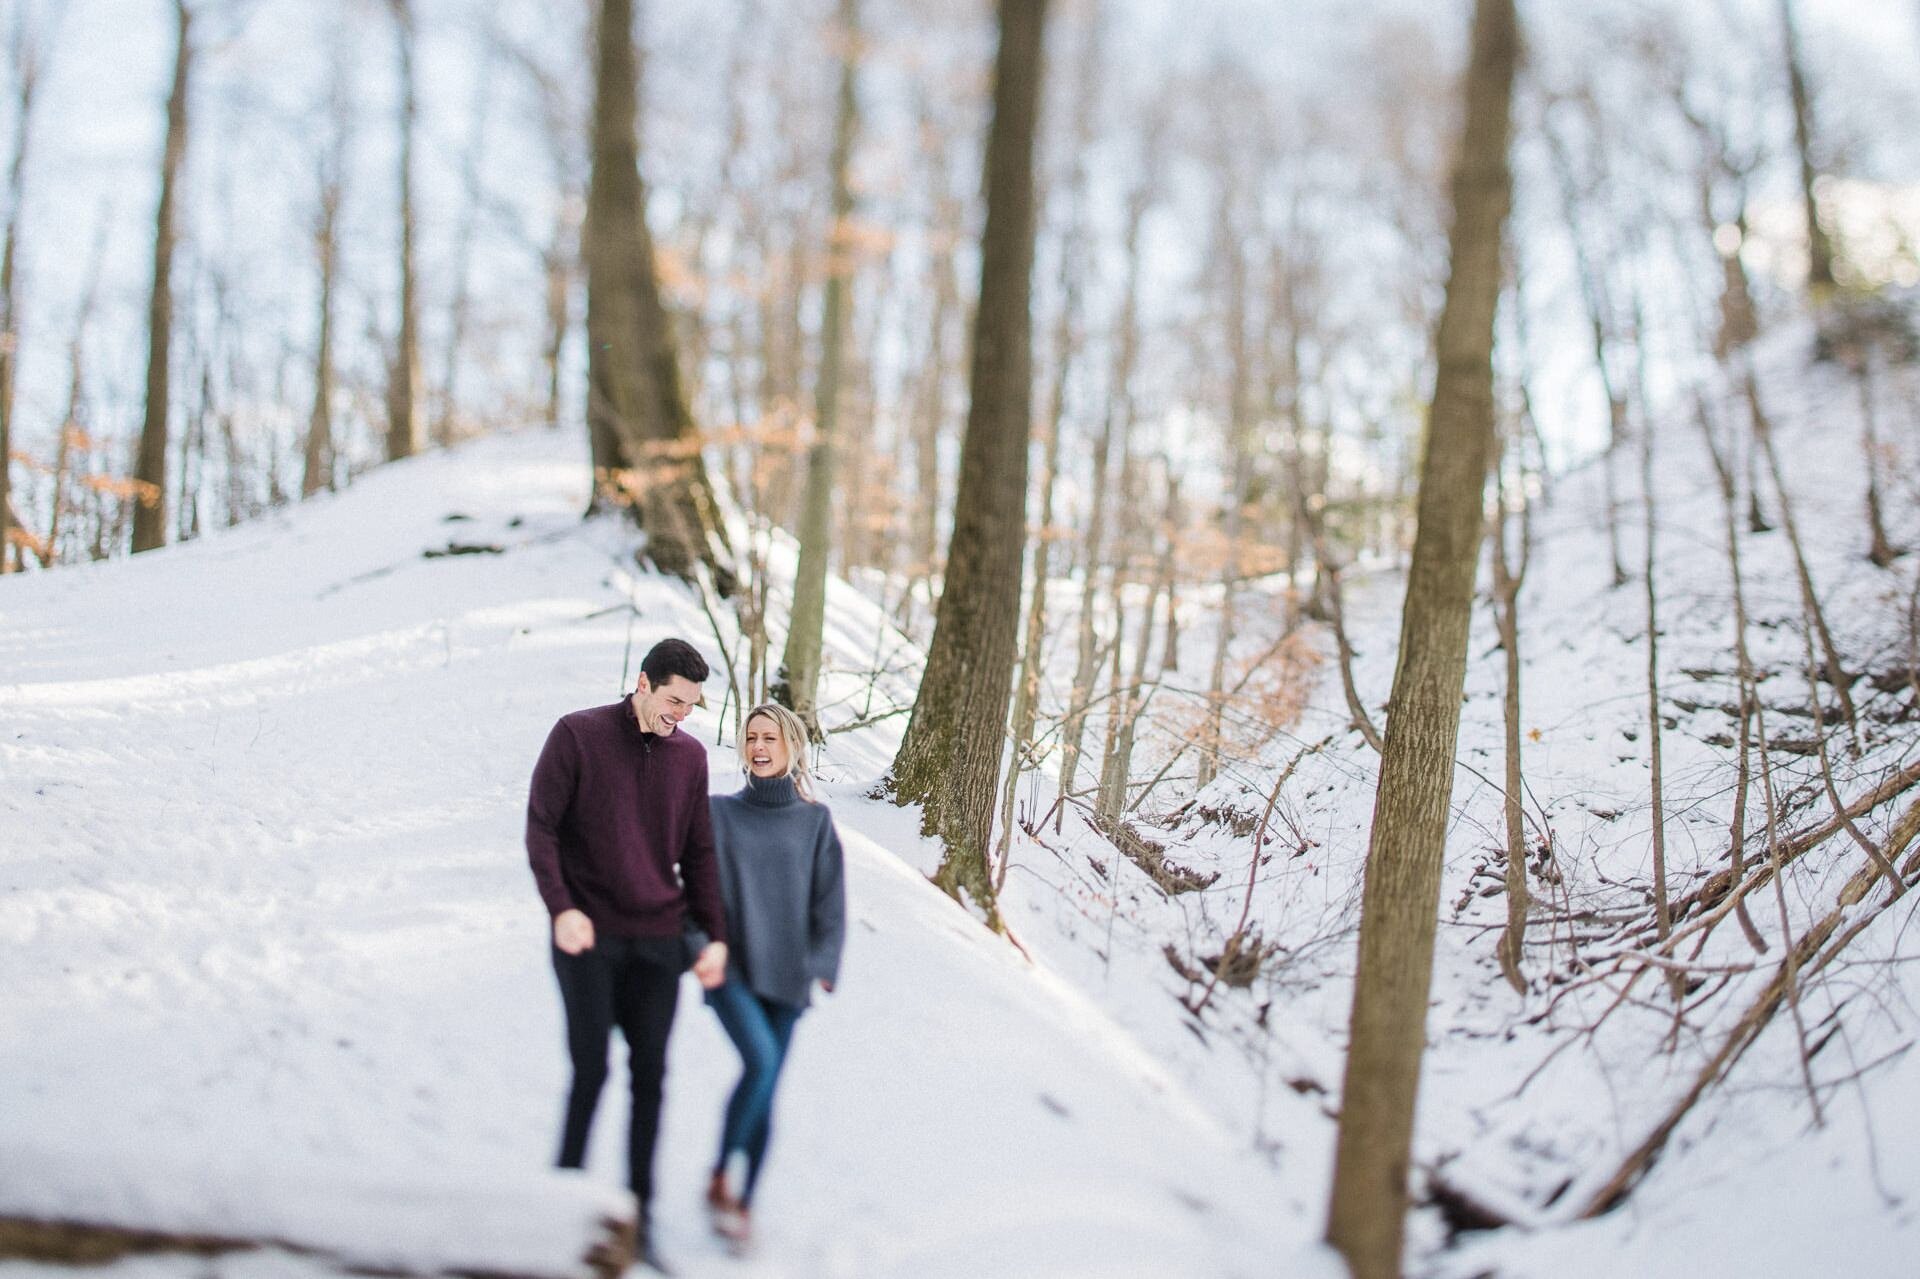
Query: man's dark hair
column 672, row 657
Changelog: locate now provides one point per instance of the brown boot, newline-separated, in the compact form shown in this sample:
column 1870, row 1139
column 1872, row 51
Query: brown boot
column 719, row 1198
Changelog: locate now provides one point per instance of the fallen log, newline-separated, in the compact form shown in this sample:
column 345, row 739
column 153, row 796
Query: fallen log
column 66, row 1242
column 95, row 1207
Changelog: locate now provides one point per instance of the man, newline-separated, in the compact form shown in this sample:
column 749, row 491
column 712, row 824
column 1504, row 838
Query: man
column 618, row 800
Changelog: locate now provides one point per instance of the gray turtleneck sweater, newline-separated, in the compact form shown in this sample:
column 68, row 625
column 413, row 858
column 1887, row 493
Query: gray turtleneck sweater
column 784, row 884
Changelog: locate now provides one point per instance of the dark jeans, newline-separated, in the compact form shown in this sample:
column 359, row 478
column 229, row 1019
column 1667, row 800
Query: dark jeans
column 632, row 982
column 761, row 1029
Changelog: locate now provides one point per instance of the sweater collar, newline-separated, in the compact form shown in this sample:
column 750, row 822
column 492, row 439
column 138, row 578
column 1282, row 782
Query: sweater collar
column 630, row 717
column 770, row 792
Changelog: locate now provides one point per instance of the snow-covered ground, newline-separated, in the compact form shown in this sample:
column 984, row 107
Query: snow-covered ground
column 274, row 965
column 1521, row 1108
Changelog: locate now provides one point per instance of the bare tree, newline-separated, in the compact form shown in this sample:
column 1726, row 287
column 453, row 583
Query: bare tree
column 1819, row 244
column 1066, row 349
column 150, row 513
column 317, row 456
column 643, row 440
column 562, row 127
column 950, row 758
column 1230, row 262
column 28, row 56
column 1656, row 773
column 800, row 665
column 930, row 406
column 1116, row 770
column 1400, row 898
column 1743, row 668
column 1593, row 294
column 73, row 437
column 446, row 425
column 403, row 371
column 1116, row 423
column 1816, row 616
column 1509, row 574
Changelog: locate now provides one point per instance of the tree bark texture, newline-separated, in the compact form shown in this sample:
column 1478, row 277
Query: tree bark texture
column 150, row 509
column 950, row 757
column 1401, row 897
column 643, row 438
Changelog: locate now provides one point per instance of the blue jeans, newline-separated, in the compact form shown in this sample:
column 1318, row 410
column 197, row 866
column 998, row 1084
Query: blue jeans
column 761, row 1030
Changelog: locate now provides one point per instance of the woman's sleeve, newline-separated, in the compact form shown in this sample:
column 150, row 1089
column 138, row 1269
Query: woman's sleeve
column 827, row 917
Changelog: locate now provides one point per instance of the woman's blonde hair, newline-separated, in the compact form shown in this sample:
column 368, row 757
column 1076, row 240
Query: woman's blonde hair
column 793, row 735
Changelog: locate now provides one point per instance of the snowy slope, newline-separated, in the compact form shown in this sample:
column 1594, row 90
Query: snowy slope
column 271, row 949
column 1520, row 1107
column 265, row 921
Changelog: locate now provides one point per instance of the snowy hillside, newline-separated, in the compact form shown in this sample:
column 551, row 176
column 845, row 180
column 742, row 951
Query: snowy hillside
column 1530, row 1103
column 275, row 967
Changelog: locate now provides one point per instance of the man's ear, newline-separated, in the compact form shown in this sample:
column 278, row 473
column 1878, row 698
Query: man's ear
column 644, row 686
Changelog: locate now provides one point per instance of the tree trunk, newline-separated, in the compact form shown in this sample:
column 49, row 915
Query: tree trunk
column 1743, row 668
column 800, row 664
column 150, row 511
column 1816, row 615
column 1880, row 548
column 930, row 407
column 1656, row 781
column 560, row 256
column 950, row 757
column 1066, row 349
column 1507, row 579
column 403, row 376
column 72, row 438
column 644, row 444
column 1239, row 457
column 1119, row 414
column 1026, row 693
column 1400, row 901
column 1593, row 294
column 558, row 266
column 1116, row 770
column 317, row 461
column 26, row 69
column 1170, row 579
column 1819, row 246
column 446, row 424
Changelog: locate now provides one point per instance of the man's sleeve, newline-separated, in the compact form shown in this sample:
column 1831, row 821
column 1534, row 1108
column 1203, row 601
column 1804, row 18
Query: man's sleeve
column 827, row 915
column 699, row 871
column 548, row 798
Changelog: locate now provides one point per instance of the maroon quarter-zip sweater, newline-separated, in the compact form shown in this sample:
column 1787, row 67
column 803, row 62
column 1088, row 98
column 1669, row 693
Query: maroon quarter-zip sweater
column 610, row 813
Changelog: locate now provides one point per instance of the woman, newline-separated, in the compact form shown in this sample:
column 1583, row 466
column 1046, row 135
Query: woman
column 782, row 880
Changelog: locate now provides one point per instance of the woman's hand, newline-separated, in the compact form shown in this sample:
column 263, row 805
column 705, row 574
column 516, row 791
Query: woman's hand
column 826, row 985
column 573, row 932
column 711, row 967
